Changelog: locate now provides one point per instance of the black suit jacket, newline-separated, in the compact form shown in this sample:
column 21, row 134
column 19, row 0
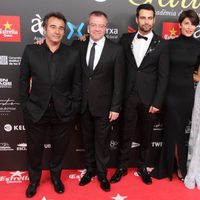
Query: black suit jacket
column 65, row 90
column 103, row 90
column 151, row 78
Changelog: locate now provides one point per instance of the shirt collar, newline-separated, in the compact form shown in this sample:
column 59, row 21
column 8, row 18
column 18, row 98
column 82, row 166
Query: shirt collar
column 47, row 48
column 99, row 42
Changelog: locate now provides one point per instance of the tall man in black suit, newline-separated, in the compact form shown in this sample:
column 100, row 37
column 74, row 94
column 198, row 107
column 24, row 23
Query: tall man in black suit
column 147, row 67
column 52, row 101
column 103, row 81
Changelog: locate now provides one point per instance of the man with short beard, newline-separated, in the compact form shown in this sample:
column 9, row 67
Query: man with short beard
column 147, row 66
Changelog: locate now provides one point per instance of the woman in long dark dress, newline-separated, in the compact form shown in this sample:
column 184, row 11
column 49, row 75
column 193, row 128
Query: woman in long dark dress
column 184, row 57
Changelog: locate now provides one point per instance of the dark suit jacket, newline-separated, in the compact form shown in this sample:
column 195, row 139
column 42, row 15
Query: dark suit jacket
column 103, row 90
column 151, row 78
column 65, row 89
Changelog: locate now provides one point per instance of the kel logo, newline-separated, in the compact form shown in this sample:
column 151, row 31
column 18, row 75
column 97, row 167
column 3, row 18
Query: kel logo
column 75, row 30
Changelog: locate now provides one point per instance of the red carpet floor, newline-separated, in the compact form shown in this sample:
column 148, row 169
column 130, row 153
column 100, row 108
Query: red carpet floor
column 13, row 186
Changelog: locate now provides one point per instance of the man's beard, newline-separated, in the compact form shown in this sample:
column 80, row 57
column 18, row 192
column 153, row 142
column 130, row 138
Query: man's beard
column 145, row 30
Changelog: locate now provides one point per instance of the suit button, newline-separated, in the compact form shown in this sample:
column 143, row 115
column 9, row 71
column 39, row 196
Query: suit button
column 90, row 78
column 138, row 70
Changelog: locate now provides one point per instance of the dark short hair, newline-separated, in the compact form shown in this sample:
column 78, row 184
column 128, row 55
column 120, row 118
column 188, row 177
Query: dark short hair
column 191, row 14
column 98, row 13
column 145, row 6
column 53, row 14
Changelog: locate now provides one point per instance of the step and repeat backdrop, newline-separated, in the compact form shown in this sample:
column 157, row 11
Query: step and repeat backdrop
column 20, row 24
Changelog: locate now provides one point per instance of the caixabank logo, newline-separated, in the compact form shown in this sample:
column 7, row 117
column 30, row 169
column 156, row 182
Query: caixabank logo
column 10, row 29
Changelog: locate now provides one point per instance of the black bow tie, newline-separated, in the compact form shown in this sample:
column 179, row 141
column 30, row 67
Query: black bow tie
column 142, row 37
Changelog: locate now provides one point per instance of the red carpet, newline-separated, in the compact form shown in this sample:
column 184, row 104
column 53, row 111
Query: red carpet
column 13, row 186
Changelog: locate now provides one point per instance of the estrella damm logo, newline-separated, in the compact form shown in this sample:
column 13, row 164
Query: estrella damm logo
column 10, row 29
column 170, row 30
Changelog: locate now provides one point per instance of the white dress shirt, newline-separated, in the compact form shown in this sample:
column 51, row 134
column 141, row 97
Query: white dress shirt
column 98, row 50
column 140, row 47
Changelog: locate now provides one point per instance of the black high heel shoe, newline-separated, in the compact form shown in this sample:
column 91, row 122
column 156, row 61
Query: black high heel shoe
column 179, row 175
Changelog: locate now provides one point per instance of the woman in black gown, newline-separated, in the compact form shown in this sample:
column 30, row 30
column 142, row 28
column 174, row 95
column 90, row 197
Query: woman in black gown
column 184, row 57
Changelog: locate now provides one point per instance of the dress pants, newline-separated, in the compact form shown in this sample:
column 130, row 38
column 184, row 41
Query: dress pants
column 96, row 138
column 36, row 137
column 135, row 113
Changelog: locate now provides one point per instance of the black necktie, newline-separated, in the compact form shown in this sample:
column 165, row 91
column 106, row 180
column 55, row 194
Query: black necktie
column 91, row 58
column 142, row 37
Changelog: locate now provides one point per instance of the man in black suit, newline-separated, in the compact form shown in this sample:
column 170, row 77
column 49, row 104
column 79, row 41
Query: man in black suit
column 147, row 67
column 52, row 101
column 103, row 81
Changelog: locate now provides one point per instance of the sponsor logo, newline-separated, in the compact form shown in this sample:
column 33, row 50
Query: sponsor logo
column 4, row 146
column 197, row 32
column 78, row 176
column 158, row 127
column 47, row 146
column 7, row 106
column 188, row 128
column 10, row 29
column 14, row 60
column 112, row 33
column 156, row 144
column 21, row 147
column 37, row 27
column 113, row 144
column 3, row 60
column 131, row 30
column 4, row 83
column 74, row 30
column 9, row 128
column 170, row 30
column 10, row 60
column 134, row 145
column 15, row 177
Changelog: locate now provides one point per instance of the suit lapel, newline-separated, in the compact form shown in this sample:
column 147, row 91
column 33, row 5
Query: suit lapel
column 154, row 43
column 130, row 49
column 104, row 54
column 44, row 60
column 84, row 53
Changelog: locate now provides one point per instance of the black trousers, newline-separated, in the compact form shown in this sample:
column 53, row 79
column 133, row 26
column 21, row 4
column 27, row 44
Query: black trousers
column 134, row 114
column 36, row 136
column 96, row 138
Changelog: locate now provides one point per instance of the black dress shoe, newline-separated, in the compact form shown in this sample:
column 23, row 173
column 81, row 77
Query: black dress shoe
column 86, row 178
column 31, row 190
column 58, row 186
column 104, row 184
column 142, row 172
column 118, row 174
